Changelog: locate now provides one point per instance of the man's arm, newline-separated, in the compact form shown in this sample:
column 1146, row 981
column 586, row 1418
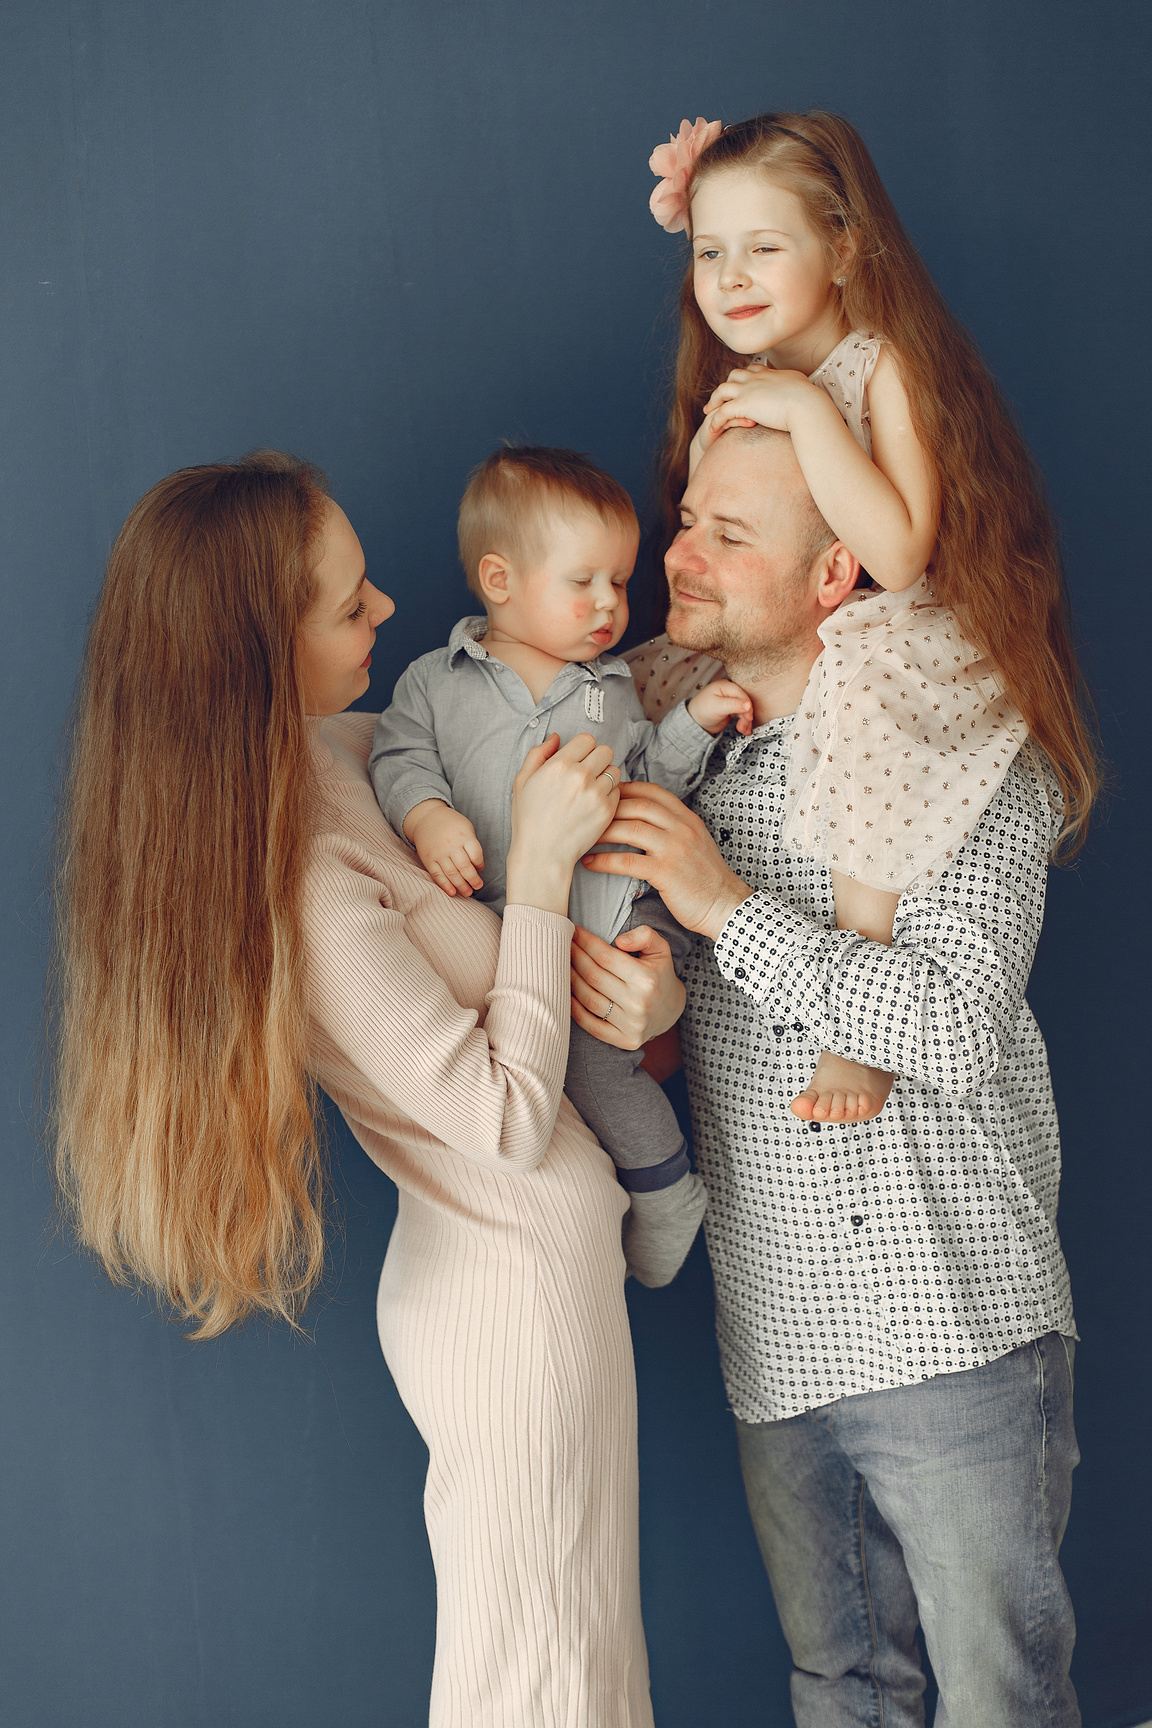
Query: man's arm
column 939, row 1006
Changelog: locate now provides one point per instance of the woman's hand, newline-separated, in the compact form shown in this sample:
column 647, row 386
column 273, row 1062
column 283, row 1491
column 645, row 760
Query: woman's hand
column 562, row 800
column 633, row 982
column 679, row 858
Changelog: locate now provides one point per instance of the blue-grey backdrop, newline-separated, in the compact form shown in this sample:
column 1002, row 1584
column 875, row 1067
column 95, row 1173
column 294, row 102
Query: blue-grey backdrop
column 386, row 234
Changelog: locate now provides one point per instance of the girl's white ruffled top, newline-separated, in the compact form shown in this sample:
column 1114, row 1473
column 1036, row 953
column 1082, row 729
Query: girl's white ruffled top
column 902, row 737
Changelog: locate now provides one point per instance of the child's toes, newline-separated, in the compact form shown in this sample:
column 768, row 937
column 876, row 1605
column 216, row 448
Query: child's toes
column 804, row 1104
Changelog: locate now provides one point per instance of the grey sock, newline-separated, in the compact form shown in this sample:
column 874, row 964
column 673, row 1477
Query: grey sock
column 661, row 1227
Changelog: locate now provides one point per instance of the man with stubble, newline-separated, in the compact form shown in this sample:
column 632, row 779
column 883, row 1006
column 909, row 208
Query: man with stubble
column 893, row 1308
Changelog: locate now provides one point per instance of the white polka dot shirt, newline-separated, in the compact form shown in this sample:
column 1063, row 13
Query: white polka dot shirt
column 848, row 1259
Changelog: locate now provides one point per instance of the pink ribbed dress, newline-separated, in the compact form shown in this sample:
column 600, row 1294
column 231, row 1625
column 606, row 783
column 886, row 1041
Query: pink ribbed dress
column 442, row 1036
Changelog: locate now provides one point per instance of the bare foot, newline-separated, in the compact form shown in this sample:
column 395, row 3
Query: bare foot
column 843, row 1091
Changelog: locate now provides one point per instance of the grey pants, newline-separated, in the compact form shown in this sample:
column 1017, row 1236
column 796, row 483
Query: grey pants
column 943, row 1501
column 624, row 1107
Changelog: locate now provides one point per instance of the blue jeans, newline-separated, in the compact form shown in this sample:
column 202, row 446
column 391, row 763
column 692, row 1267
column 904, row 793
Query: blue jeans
column 943, row 1502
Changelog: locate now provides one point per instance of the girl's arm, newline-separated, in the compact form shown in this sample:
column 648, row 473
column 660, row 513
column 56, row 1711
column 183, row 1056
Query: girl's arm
column 886, row 511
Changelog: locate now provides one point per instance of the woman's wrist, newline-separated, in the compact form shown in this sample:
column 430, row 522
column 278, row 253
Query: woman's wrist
column 537, row 879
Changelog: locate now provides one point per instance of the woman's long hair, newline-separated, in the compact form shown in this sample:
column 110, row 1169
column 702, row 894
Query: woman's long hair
column 996, row 561
column 186, row 1140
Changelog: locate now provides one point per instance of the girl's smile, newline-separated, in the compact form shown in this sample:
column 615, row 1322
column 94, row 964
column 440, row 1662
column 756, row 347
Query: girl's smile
column 762, row 276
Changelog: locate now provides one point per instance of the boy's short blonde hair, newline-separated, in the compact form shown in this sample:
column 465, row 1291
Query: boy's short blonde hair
column 510, row 493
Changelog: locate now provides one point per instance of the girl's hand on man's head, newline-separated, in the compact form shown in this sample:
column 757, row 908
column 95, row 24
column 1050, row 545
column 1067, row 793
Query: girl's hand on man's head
column 756, row 396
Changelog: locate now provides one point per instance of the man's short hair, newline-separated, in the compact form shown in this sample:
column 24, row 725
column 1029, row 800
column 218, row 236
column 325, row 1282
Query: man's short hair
column 511, row 493
column 815, row 534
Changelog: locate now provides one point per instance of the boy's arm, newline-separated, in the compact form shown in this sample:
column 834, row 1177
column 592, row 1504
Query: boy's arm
column 405, row 762
column 673, row 754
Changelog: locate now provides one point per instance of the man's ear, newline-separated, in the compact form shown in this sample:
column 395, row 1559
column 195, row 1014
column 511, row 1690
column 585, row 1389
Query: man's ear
column 492, row 575
column 837, row 571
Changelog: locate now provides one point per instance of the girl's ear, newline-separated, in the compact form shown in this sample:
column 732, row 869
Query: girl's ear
column 492, row 575
column 845, row 253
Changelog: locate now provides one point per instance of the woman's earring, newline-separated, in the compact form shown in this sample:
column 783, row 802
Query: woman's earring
column 840, row 281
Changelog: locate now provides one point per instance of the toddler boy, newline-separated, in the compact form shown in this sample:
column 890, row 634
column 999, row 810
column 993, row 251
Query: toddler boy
column 548, row 542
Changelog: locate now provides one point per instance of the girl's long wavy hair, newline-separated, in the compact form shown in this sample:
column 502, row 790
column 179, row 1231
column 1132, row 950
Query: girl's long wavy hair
column 996, row 561
column 187, row 1149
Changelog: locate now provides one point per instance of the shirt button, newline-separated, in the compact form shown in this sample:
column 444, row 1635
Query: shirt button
column 533, row 721
column 739, row 972
column 725, row 835
column 857, row 1220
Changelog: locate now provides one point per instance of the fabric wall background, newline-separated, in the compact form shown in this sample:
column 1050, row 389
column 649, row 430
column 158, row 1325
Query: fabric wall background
column 385, row 235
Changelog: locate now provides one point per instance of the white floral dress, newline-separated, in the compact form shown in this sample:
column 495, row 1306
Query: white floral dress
column 902, row 737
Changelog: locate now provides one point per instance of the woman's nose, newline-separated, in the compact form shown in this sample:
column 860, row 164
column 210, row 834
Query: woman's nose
column 381, row 607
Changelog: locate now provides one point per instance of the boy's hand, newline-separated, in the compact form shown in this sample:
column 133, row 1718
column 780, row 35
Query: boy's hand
column 447, row 846
column 713, row 706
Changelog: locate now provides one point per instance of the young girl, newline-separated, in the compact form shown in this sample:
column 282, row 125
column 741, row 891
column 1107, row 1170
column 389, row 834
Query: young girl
column 923, row 694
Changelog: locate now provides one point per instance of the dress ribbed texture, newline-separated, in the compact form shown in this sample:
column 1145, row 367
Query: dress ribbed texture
column 442, row 1039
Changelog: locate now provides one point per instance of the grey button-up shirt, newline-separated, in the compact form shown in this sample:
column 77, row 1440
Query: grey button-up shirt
column 854, row 1258
column 461, row 723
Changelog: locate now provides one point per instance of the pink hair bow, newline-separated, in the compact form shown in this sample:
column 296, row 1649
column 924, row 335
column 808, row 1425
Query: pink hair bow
column 674, row 161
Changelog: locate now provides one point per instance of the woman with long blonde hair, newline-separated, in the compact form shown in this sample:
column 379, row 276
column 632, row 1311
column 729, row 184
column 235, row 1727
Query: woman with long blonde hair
column 238, row 926
column 806, row 308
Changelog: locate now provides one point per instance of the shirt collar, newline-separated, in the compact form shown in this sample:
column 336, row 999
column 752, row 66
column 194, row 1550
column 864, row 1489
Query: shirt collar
column 464, row 642
column 770, row 734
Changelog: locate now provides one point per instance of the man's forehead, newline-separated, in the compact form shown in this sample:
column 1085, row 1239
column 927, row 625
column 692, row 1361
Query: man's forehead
column 744, row 483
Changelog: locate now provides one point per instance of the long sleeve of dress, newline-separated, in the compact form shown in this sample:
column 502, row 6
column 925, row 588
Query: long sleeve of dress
column 488, row 1091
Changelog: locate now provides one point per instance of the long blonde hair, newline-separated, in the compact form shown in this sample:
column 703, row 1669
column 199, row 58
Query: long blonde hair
column 996, row 561
column 187, row 1152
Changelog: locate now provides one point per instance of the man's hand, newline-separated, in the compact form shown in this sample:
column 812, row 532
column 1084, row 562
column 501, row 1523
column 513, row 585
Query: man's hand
column 680, row 858
column 446, row 845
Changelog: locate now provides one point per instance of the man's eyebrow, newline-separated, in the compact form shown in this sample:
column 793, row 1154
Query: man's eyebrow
column 734, row 522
